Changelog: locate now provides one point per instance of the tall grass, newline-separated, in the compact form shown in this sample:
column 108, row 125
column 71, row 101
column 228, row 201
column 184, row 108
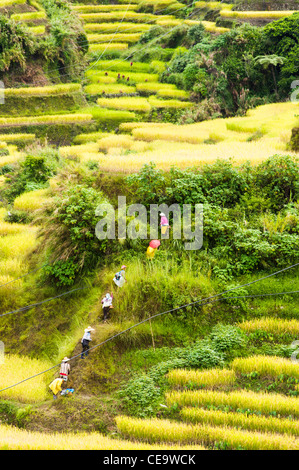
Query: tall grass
column 156, row 430
column 264, row 402
column 241, row 420
column 208, row 378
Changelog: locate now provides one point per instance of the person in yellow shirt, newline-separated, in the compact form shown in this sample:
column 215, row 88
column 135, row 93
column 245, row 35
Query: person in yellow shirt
column 150, row 252
column 55, row 387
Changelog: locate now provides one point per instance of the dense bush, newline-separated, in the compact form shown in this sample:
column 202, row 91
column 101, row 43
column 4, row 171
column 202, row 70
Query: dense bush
column 250, row 221
column 17, row 44
column 32, row 173
column 69, row 230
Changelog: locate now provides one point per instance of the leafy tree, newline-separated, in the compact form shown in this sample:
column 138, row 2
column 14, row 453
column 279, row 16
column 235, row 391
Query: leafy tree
column 270, row 61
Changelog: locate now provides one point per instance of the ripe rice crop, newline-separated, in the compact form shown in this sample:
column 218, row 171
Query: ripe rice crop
column 7, row 228
column 32, row 200
column 264, row 402
column 104, row 115
column 157, row 430
column 206, row 378
column 117, row 16
column 121, row 66
column 119, row 27
column 117, row 37
column 112, row 76
column 270, row 366
column 100, row 8
column 12, row 438
column 14, row 267
column 241, row 420
column 271, row 325
column 17, row 368
column 114, row 46
column 35, row 15
column 130, row 104
column 101, row 79
column 153, row 87
column 214, row 5
column 39, row 120
column 91, row 137
column 77, row 150
column 6, row 3
column 168, row 93
column 21, row 244
column 257, row 14
column 16, row 137
column 211, row 27
column 116, row 140
column 129, row 126
column 168, row 23
column 37, row 30
column 115, row 88
column 157, row 103
column 44, row 90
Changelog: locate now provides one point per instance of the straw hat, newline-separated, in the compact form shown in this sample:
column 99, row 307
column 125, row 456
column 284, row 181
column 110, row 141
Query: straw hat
column 65, row 359
column 89, row 328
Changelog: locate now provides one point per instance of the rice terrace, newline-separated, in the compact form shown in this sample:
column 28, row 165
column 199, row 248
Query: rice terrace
column 125, row 341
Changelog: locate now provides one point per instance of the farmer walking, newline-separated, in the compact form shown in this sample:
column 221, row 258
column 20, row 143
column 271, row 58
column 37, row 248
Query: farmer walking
column 85, row 341
column 107, row 304
column 65, row 369
column 119, row 277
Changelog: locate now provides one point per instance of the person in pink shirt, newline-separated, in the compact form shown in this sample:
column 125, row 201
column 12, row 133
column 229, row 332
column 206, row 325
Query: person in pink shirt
column 164, row 223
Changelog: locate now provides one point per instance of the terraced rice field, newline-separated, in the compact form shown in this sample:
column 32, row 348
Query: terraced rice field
column 217, row 412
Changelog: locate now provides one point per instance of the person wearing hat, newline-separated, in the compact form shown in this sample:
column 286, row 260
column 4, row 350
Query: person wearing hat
column 65, row 369
column 55, row 387
column 119, row 277
column 85, row 341
column 164, row 223
column 107, row 304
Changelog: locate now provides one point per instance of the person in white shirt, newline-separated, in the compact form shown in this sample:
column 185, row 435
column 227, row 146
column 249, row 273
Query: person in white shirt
column 85, row 341
column 65, row 369
column 107, row 304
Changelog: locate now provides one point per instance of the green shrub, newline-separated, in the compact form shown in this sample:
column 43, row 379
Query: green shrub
column 33, row 173
column 277, row 179
column 69, row 230
column 227, row 337
column 17, row 44
column 62, row 273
